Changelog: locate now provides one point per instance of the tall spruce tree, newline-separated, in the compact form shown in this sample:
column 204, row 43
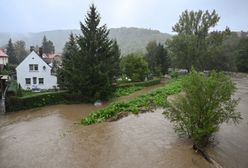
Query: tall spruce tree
column 11, row 53
column 94, row 66
column 47, row 45
column 70, row 53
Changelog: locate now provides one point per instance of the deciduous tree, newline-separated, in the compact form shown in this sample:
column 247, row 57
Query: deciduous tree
column 135, row 67
column 206, row 103
column 195, row 45
column 20, row 50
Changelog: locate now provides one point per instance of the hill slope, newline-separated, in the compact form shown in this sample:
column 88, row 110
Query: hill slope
column 129, row 39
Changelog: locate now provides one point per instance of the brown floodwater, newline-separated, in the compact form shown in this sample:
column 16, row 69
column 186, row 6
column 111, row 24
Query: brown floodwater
column 231, row 142
column 52, row 137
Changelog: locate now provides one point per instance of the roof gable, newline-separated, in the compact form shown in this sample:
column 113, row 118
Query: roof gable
column 2, row 54
column 32, row 58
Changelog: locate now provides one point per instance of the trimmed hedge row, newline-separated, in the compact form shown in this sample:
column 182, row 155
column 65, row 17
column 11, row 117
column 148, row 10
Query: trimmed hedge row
column 144, row 84
column 14, row 103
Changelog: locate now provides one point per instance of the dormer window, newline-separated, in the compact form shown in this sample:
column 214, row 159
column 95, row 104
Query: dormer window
column 33, row 67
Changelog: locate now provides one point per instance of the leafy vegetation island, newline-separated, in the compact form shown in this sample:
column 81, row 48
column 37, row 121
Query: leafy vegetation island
column 93, row 69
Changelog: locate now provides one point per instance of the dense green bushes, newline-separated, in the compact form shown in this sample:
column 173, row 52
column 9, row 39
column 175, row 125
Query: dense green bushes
column 144, row 102
column 124, row 91
column 142, row 84
column 206, row 104
column 47, row 98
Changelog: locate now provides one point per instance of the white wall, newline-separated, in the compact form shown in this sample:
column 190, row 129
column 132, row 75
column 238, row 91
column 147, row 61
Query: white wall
column 3, row 60
column 23, row 72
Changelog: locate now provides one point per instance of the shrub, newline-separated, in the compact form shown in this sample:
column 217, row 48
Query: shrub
column 142, row 84
column 134, row 67
column 205, row 105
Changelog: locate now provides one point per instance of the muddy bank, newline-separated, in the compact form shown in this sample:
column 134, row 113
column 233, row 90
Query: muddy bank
column 231, row 142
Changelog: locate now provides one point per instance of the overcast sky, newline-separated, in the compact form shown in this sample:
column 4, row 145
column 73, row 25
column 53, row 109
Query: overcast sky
column 42, row 15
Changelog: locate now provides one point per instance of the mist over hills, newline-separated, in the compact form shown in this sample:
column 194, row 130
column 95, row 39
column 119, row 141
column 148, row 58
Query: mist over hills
column 129, row 39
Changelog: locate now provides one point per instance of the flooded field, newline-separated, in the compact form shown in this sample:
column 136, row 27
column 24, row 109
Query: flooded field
column 52, row 137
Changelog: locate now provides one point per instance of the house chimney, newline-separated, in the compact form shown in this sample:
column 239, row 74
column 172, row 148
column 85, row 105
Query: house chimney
column 31, row 48
column 5, row 51
column 40, row 52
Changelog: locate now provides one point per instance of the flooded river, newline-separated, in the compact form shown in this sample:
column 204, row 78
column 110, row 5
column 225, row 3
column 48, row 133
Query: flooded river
column 52, row 137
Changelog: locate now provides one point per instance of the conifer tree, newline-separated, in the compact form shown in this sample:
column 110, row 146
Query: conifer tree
column 11, row 53
column 94, row 65
column 70, row 52
column 47, row 46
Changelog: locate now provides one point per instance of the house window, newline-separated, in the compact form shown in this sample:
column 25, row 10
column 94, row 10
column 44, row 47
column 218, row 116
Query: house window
column 41, row 80
column 34, row 80
column 33, row 67
column 28, row 81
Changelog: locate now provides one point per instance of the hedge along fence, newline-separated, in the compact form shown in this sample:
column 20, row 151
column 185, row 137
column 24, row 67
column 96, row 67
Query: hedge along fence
column 14, row 103
column 143, row 84
column 21, row 103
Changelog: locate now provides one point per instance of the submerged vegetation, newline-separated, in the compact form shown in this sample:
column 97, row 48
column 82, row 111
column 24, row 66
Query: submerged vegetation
column 126, row 91
column 141, row 103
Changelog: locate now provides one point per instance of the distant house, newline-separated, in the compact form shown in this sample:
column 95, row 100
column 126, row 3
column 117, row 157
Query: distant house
column 34, row 73
column 51, row 58
column 3, row 58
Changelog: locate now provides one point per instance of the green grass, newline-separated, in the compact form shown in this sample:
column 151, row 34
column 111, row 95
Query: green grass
column 27, row 94
column 13, row 86
column 155, row 98
column 126, row 91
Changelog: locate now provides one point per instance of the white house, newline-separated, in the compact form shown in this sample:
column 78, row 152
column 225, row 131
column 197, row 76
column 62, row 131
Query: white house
column 34, row 73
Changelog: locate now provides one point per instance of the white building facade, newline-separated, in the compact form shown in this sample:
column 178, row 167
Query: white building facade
column 34, row 73
column 3, row 57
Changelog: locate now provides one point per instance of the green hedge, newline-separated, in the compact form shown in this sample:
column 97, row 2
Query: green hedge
column 14, row 103
column 144, row 84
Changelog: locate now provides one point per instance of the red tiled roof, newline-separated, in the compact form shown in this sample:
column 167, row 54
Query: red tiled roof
column 2, row 54
column 51, row 56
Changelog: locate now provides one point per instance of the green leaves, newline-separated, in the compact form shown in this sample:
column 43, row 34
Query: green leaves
column 134, row 67
column 206, row 104
column 195, row 45
column 91, row 60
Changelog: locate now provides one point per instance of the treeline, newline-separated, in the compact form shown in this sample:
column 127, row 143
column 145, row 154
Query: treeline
column 18, row 51
column 92, row 62
column 195, row 45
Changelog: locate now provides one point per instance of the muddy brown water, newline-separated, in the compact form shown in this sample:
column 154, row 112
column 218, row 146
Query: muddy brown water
column 52, row 137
